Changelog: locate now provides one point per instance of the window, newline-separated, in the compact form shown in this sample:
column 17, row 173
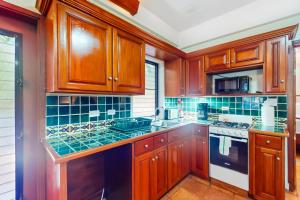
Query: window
column 145, row 105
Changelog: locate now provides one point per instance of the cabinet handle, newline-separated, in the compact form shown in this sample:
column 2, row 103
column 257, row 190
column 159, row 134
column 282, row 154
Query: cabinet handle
column 110, row 78
column 203, row 142
column 156, row 157
column 146, row 146
column 281, row 81
column 116, row 78
column 153, row 159
column 268, row 141
column 277, row 158
column 162, row 140
column 199, row 131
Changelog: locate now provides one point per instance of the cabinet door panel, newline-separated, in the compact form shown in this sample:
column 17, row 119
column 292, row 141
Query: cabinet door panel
column 247, row 55
column 276, row 65
column 175, row 78
column 143, row 165
column 268, row 173
column 128, row 63
column 217, row 61
column 200, row 156
column 195, row 78
column 84, row 52
column 173, row 164
column 185, row 157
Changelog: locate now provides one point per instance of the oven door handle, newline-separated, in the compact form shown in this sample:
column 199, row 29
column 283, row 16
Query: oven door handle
column 233, row 139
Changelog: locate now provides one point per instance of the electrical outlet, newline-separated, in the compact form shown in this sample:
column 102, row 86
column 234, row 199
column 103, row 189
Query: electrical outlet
column 225, row 108
column 111, row 112
column 94, row 113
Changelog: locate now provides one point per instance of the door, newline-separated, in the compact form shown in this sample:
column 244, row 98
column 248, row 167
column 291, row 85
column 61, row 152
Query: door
column 217, row 61
column 251, row 54
column 84, row 52
column 143, row 176
column 173, row 163
column 200, row 156
column 159, row 184
column 185, row 161
column 269, row 172
column 11, row 112
column 175, row 78
column 195, row 77
column 128, row 63
column 276, row 65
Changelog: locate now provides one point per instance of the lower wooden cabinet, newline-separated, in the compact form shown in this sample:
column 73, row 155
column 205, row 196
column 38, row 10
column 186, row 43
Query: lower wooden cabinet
column 151, row 175
column 200, row 152
column 178, row 160
column 266, row 167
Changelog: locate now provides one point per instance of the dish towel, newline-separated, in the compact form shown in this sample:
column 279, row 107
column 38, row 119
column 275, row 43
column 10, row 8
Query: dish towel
column 224, row 146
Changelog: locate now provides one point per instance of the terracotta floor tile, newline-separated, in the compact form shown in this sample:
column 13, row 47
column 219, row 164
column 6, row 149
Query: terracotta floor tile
column 214, row 193
column 183, row 194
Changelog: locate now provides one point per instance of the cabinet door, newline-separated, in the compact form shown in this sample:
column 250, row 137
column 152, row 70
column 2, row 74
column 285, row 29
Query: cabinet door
column 159, row 185
column 217, row 61
column 185, row 157
column 195, row 78
column 269, row 173
column 142, row 183
column 128, row 63
column 84, row 52
column 251, row 54
column 200, row 156
column 173, row 163
column 175, row 78
column 276, row 65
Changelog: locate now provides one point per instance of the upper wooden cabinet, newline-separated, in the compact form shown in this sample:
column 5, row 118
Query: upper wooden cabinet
column 128, row 63
column 217, row 61
column 86, row 55
column 195, row 77
column 175, row 78
column 247, row 55
column 276, row 65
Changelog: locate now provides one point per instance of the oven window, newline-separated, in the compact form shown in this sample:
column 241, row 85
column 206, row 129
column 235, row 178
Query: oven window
column 237, row 159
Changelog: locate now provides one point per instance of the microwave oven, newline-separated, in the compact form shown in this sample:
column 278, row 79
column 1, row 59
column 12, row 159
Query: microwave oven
column 231, row 85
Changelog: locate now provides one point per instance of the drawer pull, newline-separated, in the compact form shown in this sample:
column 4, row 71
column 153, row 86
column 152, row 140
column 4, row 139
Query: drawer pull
column 277, row 158
column 162, row 140
column 199, row 131
column 146, row 146
column 203, row 142
column 268, row 141
column 156, row 157
column 153, row 159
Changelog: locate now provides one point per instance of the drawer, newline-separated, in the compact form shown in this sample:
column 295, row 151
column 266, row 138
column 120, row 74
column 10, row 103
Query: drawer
column 268, row 141
column 160, row 140
column 179, row 133
column 143, row 146
column 201, row 130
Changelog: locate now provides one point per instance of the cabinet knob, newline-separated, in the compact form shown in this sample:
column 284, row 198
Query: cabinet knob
column 146, row 146
column 199, row 131
column 277, row 158
column 203, row 142
column 110, row 78
column 156, row 157
column 268, row 141
column 153, row 159
column 162, row 140
column 116, row 78
column 281, row 81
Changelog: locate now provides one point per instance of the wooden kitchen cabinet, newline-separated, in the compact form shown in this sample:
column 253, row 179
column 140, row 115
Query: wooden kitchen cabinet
column 247, row 55
column 151, row 175
column 178, row 160
column 200, row 150
column 87, row 55
column 276, row 65
column 175, row 78
column 266, row 167
column 128, row 63
column 217, row 61
column 195, row 77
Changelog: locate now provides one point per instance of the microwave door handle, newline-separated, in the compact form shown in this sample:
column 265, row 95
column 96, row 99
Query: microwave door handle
column 215, row 136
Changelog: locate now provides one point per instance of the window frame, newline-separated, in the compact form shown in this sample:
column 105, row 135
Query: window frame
column 156, row 65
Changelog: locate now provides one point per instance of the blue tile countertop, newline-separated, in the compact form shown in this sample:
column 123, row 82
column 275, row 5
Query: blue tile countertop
column 276, row 130
column 65, row 146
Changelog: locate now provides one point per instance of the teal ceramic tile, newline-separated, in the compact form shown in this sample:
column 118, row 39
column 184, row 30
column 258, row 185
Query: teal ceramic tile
column 282, row 107
column 282, row 99
column 52, row 121
column 64, row 100
column 101, row 100
column 64, row 120
column 52, row 100
column 64, row 110
column 246, row 112
column 85, row 100
column 282, row 114
column 232, row 99
column 75, row 109
column 93, row 107
column 93, row 100
column 239, row 99
column 254, row 113
column 51, row 110
column 84, row 118
column 225, row 99
column 232, row 106
column 75, row 119
column 85, row 109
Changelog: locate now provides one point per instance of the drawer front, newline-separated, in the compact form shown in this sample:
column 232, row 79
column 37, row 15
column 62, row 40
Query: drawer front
column 179, row 133
column 268, row 141
column 143, row 146
column 201, row 130
column 160, row 140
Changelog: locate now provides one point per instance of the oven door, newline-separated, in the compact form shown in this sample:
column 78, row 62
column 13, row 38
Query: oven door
column 236, row 160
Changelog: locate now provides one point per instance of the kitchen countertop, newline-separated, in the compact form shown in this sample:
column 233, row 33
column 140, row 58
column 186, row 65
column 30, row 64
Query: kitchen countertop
column 276, row 130
column 64, row 147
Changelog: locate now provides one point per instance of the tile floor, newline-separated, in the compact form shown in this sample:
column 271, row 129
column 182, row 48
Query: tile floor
column 193, row 188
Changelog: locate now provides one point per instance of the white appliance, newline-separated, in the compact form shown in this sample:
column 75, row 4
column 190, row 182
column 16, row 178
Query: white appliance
column 171, row 114
column 267, row 112
column 229, row 149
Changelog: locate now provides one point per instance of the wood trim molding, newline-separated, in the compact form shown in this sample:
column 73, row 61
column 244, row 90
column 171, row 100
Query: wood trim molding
column 43, row 6
column 131, row 6
column 19, row 12
column 290, row 31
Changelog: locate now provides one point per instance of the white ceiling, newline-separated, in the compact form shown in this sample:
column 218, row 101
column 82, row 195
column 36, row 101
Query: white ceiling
column 189, row 23
column 184, row 14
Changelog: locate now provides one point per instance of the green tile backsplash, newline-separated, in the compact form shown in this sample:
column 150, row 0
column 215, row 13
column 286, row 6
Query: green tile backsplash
column 63, row 110
column 243, row 105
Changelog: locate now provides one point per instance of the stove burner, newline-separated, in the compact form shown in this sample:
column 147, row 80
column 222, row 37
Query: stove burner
column 231, row 125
